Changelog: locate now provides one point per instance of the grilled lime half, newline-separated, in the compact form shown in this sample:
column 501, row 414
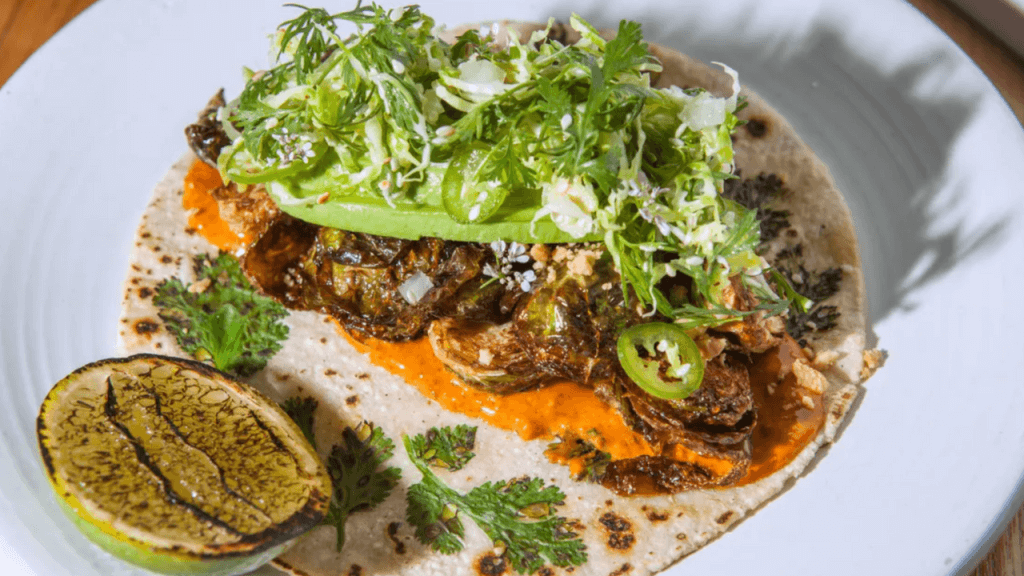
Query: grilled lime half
column 174, row 466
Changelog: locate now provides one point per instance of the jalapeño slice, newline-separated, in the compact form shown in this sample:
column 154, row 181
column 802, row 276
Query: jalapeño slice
column 662, row 359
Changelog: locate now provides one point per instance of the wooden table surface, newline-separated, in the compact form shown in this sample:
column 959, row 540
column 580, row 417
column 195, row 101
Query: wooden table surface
column 26, row 24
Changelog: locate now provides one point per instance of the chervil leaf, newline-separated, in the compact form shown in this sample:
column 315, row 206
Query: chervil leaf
column 434, row 515
column 307, row 30
column 323, row 88
column 357, row 474
column 223, row 334
column 555, row 102
column 389, row 33
column 518, row 514
column 221, row 318
column 449, row 448
column 356, row 465
column 627, row 51
column 521, row 514
column 506, row 165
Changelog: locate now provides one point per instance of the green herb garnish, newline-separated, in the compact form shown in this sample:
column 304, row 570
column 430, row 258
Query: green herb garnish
column 301, row 411
column 358, row 477
column 357, row 473
column 538, row 142
column 221, row 318
column 449, row 448
column 517, row 515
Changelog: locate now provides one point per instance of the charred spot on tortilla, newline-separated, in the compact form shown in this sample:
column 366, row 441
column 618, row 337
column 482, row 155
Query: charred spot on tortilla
column 619, row 531
column 656, row 515
column 146, row 327
column 491, row 565
column 758, row 127
column 759, row 194
column 821, row 318
column 393, row 535
column 615, row 523
column 622, row 570
column 814, row 284
column 286, row 567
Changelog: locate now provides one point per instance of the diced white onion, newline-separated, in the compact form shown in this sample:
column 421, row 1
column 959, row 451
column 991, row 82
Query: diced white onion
column 415, row 287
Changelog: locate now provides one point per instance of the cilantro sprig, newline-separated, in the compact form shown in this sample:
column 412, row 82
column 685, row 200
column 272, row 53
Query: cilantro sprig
column 356, row 466
column 360, row 482
column 518, row 515
column 221, row 318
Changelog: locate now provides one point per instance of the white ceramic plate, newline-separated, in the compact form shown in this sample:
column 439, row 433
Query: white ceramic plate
column 928, row 155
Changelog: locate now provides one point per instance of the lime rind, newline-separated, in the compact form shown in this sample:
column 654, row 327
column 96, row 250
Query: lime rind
column 102, row 441
column 164, row 561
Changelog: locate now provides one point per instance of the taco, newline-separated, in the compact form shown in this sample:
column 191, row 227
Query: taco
column 499, row 403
